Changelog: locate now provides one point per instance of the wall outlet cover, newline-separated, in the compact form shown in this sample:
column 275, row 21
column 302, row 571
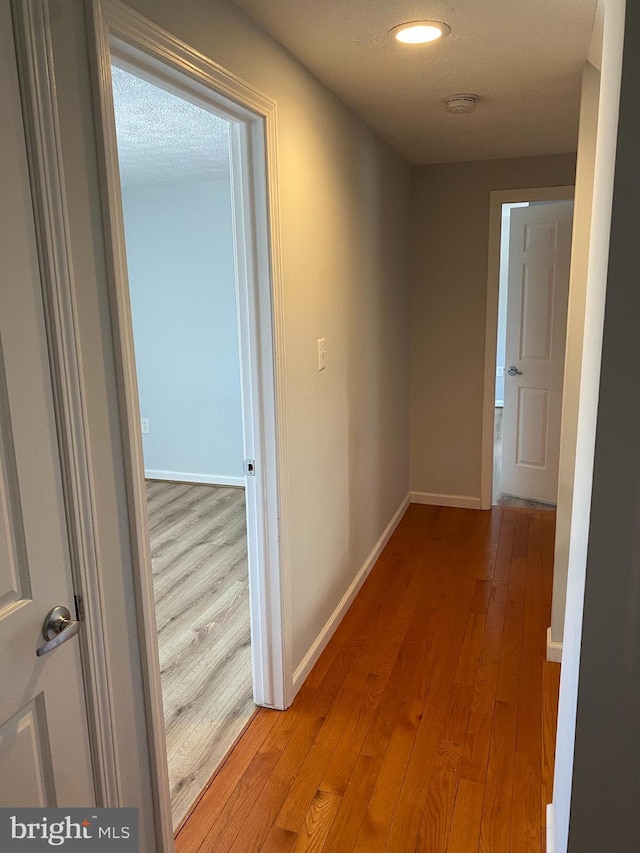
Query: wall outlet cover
column 145, row 425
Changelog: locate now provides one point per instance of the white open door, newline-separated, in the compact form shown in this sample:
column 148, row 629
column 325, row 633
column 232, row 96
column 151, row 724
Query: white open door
column 539, row 261
column 44, row 742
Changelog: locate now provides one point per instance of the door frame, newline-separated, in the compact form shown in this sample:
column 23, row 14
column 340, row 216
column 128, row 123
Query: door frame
column 32, row 34
column 497, row 199
column 118, row 31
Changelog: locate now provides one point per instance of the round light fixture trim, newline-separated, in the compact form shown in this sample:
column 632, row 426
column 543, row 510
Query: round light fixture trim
column 420, row 32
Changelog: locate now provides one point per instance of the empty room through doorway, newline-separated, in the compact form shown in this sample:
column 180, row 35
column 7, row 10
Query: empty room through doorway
column 174, row 158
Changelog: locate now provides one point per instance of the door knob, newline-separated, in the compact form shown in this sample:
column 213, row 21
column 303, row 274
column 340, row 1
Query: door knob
column 513, row 371
column 57, row 629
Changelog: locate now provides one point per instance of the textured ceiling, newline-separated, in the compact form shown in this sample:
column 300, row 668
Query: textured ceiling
column 523, row 57
column 163, row 138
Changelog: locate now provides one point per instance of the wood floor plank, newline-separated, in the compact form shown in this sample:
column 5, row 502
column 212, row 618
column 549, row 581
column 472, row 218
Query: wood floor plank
column 508, row 682
column 489, row 665
column 525, row 819
column 467, row 817
column 418, row 729
column 279, row 840
column 251, row 826
column 305, row 786
column 521, row 535
column 420, row 712
column 374, row 739
column 495, row 832
column 381, row 808
column 225, row 822
column 317, row 823
column 441, row 796
column 481, row 596
column 336, row 774
column 475, row 754
column 469, row 660
column 353, row 805
column 407, row 819
column 529, row 736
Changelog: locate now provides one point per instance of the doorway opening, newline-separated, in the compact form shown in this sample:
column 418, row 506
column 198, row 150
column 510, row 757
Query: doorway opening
column 532, row 301
column 175, row 176
column 196, row 305
column 534, row 264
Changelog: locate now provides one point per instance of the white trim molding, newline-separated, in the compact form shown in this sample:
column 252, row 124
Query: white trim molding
column 122, row 34
column 46, row 172
column 497, row 199
column 435, row 499
column 329, row 629
column 551, row 843
column 554, row 649
column 201, row 479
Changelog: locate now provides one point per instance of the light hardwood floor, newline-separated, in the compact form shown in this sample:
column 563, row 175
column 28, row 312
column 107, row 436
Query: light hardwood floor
column 199, row 558
column 428, row 724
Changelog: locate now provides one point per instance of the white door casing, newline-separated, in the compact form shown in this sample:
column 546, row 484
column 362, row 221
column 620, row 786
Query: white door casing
column 539, row 261
column 44, row 740
column 120, row 31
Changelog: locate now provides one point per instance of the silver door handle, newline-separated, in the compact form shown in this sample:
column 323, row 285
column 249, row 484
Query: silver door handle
column 513, row 371
column 57, row 629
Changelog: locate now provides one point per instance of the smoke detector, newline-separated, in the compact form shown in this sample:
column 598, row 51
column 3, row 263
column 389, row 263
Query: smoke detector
column 462, row 103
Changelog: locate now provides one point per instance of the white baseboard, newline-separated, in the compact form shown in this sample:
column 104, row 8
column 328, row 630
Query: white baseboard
column 203, row 479
column 336, row 617
column 435, row 499
column 554, row 649
column 550, row 835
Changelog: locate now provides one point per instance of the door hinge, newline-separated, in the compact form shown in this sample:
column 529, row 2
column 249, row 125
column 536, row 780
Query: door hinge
column 250, row 467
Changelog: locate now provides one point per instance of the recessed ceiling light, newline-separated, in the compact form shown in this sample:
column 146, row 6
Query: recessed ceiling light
column 420, row 32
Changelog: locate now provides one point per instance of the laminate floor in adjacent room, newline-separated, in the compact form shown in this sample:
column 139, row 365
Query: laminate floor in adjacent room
column 199, row 557
column 428, row 723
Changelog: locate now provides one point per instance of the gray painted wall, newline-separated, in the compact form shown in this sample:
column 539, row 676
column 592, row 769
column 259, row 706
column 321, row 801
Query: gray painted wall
column 180, row 257
column 606, row 780
column 450, row 239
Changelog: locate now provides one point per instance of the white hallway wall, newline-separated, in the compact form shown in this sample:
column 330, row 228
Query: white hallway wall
column 575, row 339
column 180, row 258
